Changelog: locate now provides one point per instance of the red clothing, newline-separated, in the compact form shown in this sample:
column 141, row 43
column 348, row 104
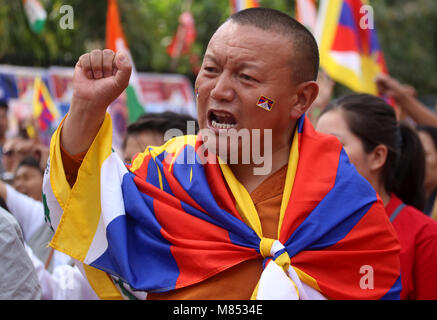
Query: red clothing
column 418, row 238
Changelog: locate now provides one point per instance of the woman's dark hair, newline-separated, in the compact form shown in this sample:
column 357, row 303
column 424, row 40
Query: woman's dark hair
column 410, row 172
column 32, row 162
column 373, row 121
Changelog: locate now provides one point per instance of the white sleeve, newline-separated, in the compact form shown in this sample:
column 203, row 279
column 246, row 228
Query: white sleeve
column 28, row 212
column 65, row 283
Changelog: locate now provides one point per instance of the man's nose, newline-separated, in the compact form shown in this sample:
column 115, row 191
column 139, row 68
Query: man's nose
column 223, row 89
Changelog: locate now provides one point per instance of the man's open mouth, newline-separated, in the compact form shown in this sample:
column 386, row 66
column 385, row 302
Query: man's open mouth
column 221, row 120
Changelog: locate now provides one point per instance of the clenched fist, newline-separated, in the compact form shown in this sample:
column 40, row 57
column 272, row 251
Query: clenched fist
column 99, row 78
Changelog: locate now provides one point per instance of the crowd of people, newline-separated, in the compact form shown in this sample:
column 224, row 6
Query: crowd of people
column 31, row 269
column 392, row 148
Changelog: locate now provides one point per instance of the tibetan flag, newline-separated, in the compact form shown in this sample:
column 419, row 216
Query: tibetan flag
column 237, row 5
column 265, row 103
column 306, row 13
column 44, row 110
column 171, row 220
column 116, row 41
column 36, row 15
column 185, row 36
column 350, row 52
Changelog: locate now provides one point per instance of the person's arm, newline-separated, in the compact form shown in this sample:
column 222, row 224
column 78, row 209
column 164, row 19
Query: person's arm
column 402, row 95
column 28, row 212
column 64, row 283
column 99, row 78
column 71, row 165
column 18, row 279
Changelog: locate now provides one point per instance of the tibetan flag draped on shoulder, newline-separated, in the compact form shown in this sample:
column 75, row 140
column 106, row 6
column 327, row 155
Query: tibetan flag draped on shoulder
column 44, row 110
column 349, row 48
column 171, row 220
column 116, row 41
column 237, row 5
column 306, row 13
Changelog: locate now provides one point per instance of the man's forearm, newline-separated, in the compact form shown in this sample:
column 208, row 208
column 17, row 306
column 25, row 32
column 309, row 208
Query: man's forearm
column 79, row 129
column 416, row 110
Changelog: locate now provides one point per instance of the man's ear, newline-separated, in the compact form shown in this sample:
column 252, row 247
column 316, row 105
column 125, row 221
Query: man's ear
column 378, row 157
column 306, row 93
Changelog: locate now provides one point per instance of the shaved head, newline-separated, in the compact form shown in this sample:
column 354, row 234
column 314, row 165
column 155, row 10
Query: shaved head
column 304, row 58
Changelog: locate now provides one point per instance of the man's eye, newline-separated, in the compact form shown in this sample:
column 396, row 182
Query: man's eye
column 246, row 77
column 210, row 69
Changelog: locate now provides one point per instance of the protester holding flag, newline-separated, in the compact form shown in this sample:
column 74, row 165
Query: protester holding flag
column 405, row 100
column 169, row 228
column 391, row 158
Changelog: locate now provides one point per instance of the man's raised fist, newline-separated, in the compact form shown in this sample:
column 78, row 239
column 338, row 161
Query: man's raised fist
column 99, row 78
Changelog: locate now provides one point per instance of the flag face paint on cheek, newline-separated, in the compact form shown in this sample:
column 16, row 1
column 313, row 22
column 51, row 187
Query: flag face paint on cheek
column 265, row 103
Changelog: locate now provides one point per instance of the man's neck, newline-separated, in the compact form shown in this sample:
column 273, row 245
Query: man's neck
column 245, row 172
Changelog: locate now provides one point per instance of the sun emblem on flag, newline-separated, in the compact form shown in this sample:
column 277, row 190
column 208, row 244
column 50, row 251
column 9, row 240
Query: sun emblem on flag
column 265, row 103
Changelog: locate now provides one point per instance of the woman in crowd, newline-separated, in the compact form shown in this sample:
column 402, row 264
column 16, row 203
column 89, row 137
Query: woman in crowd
column 390, row 156
column 428, row 136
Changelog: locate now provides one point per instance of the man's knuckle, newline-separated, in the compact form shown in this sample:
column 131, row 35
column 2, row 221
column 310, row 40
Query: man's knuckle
column 108, row 52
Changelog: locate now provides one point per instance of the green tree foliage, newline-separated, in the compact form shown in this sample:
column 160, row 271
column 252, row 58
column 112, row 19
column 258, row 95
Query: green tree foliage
column 407, row 31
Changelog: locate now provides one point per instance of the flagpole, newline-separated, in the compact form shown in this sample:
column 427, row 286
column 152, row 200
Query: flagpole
column 180, row 39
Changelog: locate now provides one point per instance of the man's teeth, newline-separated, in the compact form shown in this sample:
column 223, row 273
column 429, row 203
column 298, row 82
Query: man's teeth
column 217, row 125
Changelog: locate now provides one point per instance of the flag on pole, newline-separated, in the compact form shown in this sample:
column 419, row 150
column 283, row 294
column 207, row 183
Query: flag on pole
column 35, row 14
column 183, row 41
column 349, row 48
column 184, row 37
column 44, row 110
column 237, row 5
column 116, row 41
column 306, row 13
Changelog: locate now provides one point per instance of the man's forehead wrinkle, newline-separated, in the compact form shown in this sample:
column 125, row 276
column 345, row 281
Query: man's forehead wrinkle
column 247, row 47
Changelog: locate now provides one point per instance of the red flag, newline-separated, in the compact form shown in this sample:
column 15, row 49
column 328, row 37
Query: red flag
column 185, row 36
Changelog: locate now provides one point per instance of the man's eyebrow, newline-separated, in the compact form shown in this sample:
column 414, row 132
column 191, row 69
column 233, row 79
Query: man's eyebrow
column 210, row 57
column 248, row 65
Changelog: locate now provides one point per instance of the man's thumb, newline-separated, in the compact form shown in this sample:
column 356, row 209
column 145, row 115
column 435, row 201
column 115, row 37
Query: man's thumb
column 124, row 69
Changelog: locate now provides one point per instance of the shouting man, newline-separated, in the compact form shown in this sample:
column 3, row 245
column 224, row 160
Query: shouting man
column 288, row 218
